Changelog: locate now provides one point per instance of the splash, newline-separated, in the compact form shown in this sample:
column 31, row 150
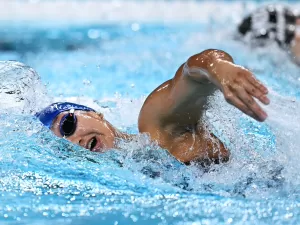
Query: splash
column 141, row 183
column 21, row 89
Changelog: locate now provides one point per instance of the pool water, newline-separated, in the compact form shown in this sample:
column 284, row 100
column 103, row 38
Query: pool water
column 113, row 67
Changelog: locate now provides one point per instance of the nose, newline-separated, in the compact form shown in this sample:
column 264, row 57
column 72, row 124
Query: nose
column 76, row 140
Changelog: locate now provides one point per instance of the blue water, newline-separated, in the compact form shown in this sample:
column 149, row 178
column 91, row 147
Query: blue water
column 47, row 180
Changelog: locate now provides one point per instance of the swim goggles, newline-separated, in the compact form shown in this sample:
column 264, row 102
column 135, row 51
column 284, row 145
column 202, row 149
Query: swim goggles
column 68, row 124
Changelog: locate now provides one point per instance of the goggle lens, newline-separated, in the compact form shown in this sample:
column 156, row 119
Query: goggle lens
column 68, row 124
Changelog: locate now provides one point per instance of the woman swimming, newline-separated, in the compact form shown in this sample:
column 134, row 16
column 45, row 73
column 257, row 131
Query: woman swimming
column 172, row 113
column 275, row 23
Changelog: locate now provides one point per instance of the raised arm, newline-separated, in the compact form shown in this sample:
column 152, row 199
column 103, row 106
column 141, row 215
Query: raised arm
column 172, row 112
column 238, row 85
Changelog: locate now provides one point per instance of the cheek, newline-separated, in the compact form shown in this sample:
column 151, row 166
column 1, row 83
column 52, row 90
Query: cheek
column 91, row 125
column 107, row 129
column 88, row 125
column 56, row 131
column 107, row 135
column 108, row 141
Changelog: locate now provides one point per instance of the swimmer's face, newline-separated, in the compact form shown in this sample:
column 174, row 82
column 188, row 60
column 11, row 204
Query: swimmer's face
column 92, row 131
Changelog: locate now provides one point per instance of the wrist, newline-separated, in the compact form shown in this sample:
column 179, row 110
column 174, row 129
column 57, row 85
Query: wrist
column 207, row 65
column 215, row 70
column 219, row 70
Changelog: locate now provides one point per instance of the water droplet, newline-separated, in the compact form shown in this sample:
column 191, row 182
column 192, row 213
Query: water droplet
column 86, row 82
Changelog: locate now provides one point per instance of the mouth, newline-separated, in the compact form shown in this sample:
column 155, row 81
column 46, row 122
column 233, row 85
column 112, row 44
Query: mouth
column 95, row 144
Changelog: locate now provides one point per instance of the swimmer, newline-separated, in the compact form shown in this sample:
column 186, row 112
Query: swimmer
column 275, row 23
column 172, row 113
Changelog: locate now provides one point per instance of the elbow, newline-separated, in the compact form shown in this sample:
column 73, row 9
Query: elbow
column 215, row 54
column 205, row 59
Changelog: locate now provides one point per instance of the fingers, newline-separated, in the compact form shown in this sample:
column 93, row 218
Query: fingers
column 257, row 93
column 256, row 83
column 256, row 88
column 240, row 91
column 231, row 99
column 252, row 105
column 241, row 99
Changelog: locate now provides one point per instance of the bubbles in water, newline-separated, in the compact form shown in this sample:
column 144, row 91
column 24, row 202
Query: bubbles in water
column 20, row 88
column 50, row 176
column 86, row 82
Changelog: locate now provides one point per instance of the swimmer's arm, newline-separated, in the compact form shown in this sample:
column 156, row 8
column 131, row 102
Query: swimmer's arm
column 211, row 69
column 173, row 111
column 179, row 102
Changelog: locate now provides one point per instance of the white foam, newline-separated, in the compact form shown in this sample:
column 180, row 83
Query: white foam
column 20, row 88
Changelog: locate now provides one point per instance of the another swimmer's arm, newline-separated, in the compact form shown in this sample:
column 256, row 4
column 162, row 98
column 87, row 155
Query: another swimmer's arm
column 238, row 85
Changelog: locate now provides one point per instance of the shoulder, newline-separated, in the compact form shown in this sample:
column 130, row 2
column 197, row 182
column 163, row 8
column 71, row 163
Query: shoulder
column 153, row 109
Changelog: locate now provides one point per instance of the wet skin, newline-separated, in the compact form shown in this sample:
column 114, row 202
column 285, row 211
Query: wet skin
column 171, row 114
column 92, row 131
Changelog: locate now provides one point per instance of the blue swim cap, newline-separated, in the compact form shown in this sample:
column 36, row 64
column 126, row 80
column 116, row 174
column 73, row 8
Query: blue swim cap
column 48, row 115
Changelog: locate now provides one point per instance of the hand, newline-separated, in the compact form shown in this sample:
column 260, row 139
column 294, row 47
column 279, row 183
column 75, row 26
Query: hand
column 240, row 87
